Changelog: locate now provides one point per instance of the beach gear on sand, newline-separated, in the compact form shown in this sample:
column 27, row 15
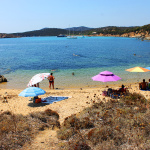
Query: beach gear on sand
column 38, row 100
column 38, row 78
column 32, row 91
column 106, row 76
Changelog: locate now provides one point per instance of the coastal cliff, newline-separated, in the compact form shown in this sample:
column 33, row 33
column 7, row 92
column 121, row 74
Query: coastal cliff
column 130, row 34
column 142, row 32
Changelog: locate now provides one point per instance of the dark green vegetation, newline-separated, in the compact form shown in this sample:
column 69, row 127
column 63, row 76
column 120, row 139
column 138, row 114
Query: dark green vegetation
column 16, row 130
column 51, row 32
column 113, row 30
column 43, row 32
column 117, row 124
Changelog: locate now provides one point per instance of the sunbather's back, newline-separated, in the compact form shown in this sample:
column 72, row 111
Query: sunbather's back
column 143, row 85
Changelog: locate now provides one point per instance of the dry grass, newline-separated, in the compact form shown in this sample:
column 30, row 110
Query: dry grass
column 117, row 124
column 16, row 130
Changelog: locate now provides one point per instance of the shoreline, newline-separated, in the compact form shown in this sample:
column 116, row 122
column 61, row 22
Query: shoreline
column 74, row 87
column 141, row 36
column 65, row 80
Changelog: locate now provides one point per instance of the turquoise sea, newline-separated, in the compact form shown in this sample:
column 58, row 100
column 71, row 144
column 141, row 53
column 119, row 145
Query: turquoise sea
column 22, row 58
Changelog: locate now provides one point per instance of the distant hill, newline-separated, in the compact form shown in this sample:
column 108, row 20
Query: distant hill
column 52, row 31
column 103, row 31
column 114, row 30
column 109, row 30
column 42, row 32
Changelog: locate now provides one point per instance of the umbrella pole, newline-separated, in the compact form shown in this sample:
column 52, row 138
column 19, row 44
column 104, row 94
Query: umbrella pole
column 105, row 87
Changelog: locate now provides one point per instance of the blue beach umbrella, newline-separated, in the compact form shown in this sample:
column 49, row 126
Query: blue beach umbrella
column 147, row 68
column 32, row 91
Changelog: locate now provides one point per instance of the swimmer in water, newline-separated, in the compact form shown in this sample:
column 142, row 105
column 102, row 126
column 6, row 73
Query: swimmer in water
column 75, row 55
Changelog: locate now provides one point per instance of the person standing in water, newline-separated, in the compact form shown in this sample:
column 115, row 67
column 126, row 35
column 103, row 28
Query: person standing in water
column 51, row 80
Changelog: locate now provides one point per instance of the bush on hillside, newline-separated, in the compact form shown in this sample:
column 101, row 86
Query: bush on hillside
column 16, row 130
column 117, row 124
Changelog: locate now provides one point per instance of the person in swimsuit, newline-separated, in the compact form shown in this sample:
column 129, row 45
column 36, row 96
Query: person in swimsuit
column 143, row 85
column 51, row 80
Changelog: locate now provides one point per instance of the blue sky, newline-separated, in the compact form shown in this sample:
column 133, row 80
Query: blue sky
column 28, row 15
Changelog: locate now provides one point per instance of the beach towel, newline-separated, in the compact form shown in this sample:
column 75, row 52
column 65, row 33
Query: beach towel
column 145, row 90
column 52, row 99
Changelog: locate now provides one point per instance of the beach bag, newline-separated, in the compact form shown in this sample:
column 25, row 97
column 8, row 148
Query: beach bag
column 38, row 100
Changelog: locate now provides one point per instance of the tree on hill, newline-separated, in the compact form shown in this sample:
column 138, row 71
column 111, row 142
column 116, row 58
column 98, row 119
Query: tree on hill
column 43, row 32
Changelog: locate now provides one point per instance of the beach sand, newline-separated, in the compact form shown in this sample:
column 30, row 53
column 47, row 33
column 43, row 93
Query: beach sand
column 77, row 101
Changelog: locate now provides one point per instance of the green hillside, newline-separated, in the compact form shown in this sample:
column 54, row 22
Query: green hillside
column 42, row 32
column 111, row 30
column 114, row 30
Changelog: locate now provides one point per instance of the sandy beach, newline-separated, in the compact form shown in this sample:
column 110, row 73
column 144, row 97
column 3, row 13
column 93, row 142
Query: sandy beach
column 78, row 99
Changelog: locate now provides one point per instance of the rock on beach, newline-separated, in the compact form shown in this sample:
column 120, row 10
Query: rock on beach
column 2, row 79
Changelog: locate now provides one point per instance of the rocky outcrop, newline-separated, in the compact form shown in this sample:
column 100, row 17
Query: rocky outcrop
column 3, row 35
column 2, row 79
column 136, row 34
column 147, row 38
column 140, row 35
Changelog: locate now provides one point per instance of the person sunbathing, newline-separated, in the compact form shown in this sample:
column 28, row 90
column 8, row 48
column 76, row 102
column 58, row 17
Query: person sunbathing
column 122, row 89
column 118, row 93
column 143, row 85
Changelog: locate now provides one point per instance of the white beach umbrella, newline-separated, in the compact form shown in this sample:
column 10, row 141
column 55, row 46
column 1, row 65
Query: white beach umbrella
column 38, row 78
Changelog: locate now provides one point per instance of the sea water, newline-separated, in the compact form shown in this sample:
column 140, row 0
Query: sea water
column 22, row 58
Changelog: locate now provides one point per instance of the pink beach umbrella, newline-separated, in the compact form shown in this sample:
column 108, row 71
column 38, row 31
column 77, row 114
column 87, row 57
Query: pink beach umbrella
column 106, row 76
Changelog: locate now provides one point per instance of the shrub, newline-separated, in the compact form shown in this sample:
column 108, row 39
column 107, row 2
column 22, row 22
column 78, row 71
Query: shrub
column 117, row 124
column 86, row 123
column 50, row 112
column 80, row 146
column 65, row 133
column 48, row 117
column 16, row 130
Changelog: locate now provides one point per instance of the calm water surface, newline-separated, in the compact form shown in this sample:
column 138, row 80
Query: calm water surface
column 22, row 58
